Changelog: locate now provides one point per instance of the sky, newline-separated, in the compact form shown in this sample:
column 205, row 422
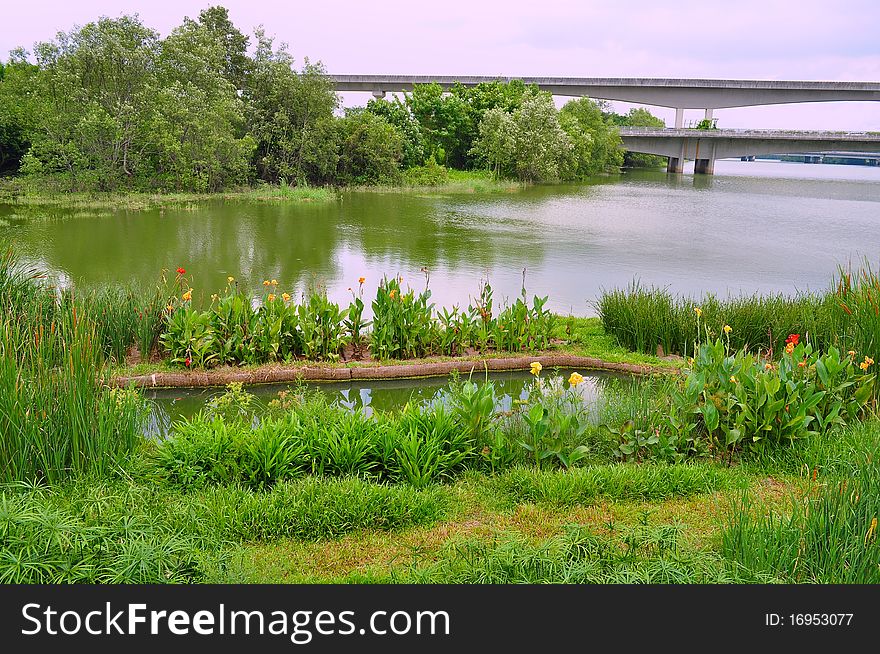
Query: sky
column 746, row 39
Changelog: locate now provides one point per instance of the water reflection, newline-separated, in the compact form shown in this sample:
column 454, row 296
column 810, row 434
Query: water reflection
column 171, row 405
column 753, row 227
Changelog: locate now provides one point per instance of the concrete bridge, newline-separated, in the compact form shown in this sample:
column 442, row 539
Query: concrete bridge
column 678, row 94
column 705, row 146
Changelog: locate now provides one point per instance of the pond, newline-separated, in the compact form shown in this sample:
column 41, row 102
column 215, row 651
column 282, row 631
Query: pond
column 172, row 404
column 754, row 226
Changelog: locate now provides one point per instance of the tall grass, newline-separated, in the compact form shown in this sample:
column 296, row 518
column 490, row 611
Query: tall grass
column 643, row 318
column 56, row 418
column 829, row 538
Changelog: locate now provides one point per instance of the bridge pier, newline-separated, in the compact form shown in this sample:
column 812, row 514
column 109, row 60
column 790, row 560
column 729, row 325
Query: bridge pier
column 704, row 166
column 378, row 94
column 675, row 165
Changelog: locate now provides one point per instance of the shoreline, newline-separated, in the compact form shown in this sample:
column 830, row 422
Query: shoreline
column 272, row 373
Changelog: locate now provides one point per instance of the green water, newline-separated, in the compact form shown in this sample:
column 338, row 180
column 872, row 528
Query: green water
column 754, row 226
column 170, row 405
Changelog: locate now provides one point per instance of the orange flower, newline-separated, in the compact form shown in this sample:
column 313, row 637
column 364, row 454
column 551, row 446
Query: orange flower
column 266, row 282
column 285, row 297
column 802, row 364
column 271, row 297
column 392, row 293
column 361, row 280
column 789, row 348
column 187, row 296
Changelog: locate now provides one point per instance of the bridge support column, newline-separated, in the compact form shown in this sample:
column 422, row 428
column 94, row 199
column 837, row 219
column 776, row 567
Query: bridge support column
column 679, row 117
column 675, row 165
column 378, row 94
column 706, row 166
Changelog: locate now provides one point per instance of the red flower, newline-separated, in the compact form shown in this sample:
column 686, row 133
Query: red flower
column 181, row 271
column 793, row 339
column 188, row 362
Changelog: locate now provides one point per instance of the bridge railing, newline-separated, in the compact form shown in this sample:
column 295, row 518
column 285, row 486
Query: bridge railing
column 750, row 133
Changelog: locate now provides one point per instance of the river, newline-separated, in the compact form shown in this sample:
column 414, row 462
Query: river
column 757, row 226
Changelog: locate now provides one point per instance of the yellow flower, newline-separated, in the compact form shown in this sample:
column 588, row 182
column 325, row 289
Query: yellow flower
column 230, row 279
column 271, row 297
column 575, row 379
column 698, row 311
column 274, row 282
column 361, row 280
column 852, row 354
column 266, row 282
column 285, row 297
column 789, row 348
column 535, row 368
column 727, row 329
column 392, row 293
column 169, row 308
column 732, row 379
column 188, row 295
column 768, row 366
column 215, row 297
column 869, row 360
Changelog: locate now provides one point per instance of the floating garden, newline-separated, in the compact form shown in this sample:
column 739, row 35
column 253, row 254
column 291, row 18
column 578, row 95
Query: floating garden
column 756, row 460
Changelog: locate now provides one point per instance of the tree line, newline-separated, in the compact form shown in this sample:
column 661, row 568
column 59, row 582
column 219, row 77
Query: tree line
column 111, row 105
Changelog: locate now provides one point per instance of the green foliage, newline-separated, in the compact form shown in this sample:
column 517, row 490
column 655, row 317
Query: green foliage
column 290, row 116
column 370, row 149
column 643, row 318
column 399, row 116
column 622, row 482
column 643, row 553
column 56, row 418
column 596, row 144
column 403, row 327
column 827, row 535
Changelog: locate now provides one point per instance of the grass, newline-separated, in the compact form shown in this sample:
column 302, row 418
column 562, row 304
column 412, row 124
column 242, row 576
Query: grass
column 56, row 418
column 456, row 182
column 25, row 192
column 826, row 535
column 100, row 530
column 643, row 318
column 645, row 523
column 590, row 485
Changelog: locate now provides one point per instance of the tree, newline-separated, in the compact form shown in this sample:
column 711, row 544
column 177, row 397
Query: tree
column 95, row 87
column 17, row 111
column 290, row 115
column 370, row 150
column 398, row 115
column 540, row 144
column 602, row 150
column 232, row 42
column 496, row 141
column 197, row 116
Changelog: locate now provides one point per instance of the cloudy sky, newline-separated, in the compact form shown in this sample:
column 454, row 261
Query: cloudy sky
column 747, row 39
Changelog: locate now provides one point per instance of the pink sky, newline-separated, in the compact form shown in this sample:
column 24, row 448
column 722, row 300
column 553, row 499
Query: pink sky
column 808, row 40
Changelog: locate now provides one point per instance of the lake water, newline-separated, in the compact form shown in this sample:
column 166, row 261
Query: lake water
column 753, row 226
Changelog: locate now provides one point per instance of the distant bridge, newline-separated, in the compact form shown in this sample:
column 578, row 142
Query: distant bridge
column 678, row 94
column 705, row 146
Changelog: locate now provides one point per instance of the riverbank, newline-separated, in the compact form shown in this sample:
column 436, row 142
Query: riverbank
column 34, row 193
column 26, row 192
